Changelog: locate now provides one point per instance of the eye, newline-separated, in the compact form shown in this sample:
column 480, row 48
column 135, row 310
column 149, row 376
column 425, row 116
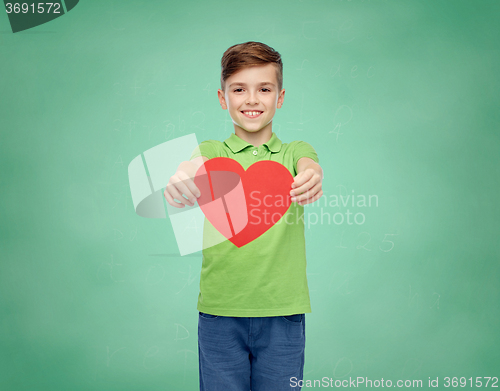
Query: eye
column 267, row 89
column 238, row 89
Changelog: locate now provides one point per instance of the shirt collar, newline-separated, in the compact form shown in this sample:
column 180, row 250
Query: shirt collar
column 237, row 144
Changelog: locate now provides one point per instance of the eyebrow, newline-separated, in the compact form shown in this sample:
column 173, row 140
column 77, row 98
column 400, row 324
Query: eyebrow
column 264, row 83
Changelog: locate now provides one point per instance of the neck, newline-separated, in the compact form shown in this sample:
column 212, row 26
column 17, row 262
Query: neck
column 254, row 138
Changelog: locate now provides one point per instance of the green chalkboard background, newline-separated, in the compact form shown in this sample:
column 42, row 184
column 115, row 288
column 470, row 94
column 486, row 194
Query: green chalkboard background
column 399, row 99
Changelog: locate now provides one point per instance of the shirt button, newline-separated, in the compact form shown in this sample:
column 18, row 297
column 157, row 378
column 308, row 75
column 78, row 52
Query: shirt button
column 255, row 152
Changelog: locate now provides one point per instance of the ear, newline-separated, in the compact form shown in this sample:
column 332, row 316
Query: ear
column 222, row 99
column 281, row 97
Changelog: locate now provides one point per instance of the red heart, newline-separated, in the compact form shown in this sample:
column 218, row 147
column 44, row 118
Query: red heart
column 240, row 204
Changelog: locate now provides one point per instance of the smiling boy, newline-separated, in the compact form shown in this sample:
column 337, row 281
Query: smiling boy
column 253, row 299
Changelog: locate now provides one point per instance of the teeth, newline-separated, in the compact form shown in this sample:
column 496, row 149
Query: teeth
column 252, row 112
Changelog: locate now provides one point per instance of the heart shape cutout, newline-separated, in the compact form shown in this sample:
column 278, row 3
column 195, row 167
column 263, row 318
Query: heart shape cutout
column 242, row 205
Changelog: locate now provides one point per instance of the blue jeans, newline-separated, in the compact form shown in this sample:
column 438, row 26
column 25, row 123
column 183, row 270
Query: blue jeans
column 257, row 353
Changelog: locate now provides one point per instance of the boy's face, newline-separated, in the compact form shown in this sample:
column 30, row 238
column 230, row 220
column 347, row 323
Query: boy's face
column 246, row 94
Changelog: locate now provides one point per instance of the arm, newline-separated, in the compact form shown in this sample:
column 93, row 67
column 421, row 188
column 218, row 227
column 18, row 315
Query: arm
column 182, row 183
column 306, row 187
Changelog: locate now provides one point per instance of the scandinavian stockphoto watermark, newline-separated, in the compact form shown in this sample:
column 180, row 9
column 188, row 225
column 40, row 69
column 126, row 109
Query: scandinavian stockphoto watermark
column 365, row 382
column 338, row 209
column 149, row 174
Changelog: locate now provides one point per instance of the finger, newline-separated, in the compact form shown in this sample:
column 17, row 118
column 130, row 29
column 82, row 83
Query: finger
column 316, row 197
column 302, row 178
column 313, row 178
column 296, row 179
column 176, row 194
column 306, row 186
column 189, row 182
column 308, row 194
column 170, row 199
column 302, row 189
column 182, row 188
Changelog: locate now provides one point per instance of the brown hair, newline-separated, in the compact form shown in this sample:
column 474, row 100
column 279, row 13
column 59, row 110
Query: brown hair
column 247, row 54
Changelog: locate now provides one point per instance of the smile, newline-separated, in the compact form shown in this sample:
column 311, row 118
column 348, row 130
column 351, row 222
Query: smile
column 252, row 114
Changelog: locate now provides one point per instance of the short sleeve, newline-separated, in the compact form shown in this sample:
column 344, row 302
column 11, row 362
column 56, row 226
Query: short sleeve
column 302, row 149
column 206, row 148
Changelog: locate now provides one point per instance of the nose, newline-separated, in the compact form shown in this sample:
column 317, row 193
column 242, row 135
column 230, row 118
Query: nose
column 252, row 98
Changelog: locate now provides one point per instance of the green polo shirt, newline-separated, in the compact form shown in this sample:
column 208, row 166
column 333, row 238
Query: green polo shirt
column 266, row 277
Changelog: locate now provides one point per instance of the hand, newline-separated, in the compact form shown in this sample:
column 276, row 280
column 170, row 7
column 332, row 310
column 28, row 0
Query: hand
column 182, row 183
column 306, row 187
column 178, row 185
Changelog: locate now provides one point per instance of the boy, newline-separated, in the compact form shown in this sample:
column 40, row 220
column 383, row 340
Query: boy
column 253, row 299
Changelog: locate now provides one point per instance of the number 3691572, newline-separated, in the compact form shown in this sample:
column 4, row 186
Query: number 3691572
column 40, row 8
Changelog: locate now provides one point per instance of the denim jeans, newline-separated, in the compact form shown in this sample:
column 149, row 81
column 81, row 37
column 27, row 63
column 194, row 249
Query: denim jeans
column 256, row 353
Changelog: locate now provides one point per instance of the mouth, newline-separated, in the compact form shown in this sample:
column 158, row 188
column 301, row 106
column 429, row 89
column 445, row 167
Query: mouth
column 252, row 113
